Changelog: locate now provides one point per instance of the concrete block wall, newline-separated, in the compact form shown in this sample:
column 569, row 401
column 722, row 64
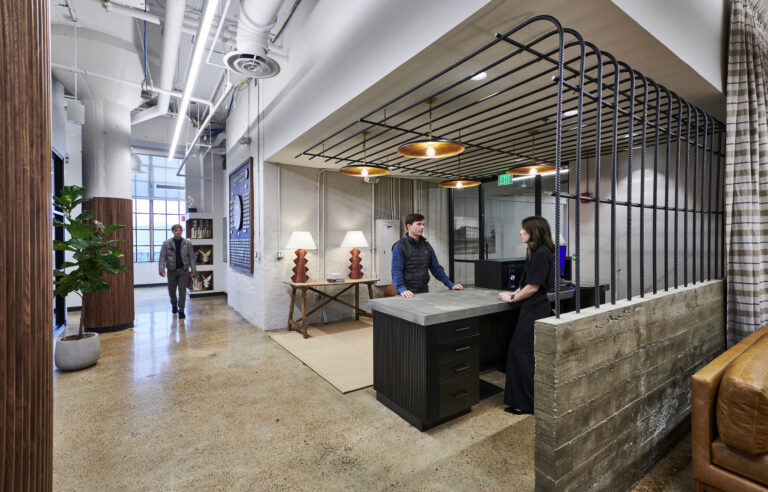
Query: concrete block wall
column 612, row 385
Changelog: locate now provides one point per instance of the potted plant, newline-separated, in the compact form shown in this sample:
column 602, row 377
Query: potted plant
column 92, row 256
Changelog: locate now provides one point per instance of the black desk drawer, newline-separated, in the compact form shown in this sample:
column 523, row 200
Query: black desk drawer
column 458, row 368
column 459, row 394
column 457, row 329
column 463, row 348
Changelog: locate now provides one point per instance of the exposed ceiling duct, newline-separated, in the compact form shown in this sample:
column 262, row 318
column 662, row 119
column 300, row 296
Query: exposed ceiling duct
column 257, row 18
column 174, row 19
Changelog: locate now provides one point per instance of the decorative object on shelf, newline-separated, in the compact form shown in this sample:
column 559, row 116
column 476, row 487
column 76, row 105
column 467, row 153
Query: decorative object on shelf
column 191, row 204
column 93, row 256
column 203, row 281
column 364, row 170
column 200, row 228
column 354, row 240
column 207, row 281
column 459, row 182
column 240, row 215
column 204, row 254
column 432, row 148
column 533, row 168
column 301, row 241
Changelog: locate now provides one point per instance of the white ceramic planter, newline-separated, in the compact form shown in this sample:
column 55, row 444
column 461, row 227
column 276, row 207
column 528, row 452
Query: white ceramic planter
column 72, row 354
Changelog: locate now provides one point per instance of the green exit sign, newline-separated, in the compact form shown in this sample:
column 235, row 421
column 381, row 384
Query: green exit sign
column 505, row 179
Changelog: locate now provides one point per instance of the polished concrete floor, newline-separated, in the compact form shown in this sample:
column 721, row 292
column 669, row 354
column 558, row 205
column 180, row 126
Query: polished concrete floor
column 212, row 403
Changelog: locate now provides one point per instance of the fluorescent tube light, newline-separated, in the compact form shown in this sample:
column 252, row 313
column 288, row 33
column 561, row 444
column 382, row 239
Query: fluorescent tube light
column 203, row 30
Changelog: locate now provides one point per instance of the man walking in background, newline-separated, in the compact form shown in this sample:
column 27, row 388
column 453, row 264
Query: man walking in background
column 178, row 257
column 412, row 260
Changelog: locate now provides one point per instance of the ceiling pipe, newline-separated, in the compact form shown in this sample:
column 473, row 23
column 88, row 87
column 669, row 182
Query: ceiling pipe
column 257, row 18
column 111, row 6
column 227, row 35
column 90, row 73
column 174, row 19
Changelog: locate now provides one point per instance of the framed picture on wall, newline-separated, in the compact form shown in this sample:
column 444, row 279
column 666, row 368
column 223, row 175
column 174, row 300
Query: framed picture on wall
column 240, row 218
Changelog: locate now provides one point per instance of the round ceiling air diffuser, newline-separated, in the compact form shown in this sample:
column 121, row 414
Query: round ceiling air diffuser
column 251, row 65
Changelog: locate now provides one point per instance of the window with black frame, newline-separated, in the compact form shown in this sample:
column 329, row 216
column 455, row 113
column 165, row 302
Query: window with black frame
column 158, row 204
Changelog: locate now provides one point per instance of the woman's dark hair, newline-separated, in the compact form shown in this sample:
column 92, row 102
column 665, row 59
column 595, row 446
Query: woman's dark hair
column 538, row 229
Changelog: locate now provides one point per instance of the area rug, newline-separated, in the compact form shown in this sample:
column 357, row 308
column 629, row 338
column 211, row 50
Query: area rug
column 341, row 353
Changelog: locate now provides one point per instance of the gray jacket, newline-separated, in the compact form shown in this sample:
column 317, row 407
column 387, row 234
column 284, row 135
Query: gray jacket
column 168, row 255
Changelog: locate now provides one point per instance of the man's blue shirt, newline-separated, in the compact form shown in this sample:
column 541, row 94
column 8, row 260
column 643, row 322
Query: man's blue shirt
column 397, row 266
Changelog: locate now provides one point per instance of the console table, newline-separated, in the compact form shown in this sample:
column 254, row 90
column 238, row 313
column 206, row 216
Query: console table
column 428, row 351
column 312, row 286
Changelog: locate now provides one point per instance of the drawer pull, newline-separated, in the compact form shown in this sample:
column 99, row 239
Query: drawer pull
column 464, row 328
column 461, row 368
column 460, row 395
column 462, row 349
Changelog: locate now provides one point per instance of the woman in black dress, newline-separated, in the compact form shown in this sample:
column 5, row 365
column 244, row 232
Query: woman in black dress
column 536, row 281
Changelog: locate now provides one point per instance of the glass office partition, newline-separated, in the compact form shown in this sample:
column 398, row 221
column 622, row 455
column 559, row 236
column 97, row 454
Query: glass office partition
column 466, row 234
column 507, row 202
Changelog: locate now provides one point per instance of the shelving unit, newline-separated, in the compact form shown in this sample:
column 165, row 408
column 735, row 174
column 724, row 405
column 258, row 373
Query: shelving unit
column 200, row 230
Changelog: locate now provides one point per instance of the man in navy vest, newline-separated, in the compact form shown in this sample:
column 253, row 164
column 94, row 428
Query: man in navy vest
column 412, row 260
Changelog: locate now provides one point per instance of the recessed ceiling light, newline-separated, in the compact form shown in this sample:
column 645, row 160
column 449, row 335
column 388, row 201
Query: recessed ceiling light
column 480, row 76
column 572, row 112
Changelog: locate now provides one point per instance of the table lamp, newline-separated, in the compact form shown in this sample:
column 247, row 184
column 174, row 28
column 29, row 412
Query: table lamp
column 354, row 240
column 301, row 241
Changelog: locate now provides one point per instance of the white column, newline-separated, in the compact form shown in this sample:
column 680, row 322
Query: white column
column 107, row 149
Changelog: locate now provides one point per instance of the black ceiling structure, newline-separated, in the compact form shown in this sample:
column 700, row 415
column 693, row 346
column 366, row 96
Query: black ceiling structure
column 584, row 104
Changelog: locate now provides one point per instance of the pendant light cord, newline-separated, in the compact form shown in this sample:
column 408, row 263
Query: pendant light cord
column 430, row 119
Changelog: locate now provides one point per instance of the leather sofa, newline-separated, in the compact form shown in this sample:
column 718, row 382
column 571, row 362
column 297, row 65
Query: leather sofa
column 729, row 413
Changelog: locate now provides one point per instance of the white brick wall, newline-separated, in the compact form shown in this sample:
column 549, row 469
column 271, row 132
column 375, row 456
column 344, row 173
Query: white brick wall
column 264, row 299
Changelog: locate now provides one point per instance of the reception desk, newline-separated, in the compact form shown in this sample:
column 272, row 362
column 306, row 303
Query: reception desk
column 428, row 351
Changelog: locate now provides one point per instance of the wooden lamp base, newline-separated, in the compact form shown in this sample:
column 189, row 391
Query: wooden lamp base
column 355, row 268
column 300, row 270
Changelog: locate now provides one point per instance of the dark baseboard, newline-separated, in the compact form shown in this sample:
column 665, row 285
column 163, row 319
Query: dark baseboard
column 206, row 294
column 110, row 329
column 141, row 286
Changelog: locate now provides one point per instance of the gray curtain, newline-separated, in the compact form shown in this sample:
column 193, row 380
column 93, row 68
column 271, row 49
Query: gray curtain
column 746, row 172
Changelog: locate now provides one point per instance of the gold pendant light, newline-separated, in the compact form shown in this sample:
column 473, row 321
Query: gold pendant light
column 459, row 182
column 432, row 148
column 534, row 167
column 364, row 170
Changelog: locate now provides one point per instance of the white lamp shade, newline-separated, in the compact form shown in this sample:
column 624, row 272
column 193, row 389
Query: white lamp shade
column 301, row 240
column 354, row 239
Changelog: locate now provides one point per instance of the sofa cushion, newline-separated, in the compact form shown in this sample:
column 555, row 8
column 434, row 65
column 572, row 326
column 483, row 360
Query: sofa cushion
column 742, row 401
column 752, row 466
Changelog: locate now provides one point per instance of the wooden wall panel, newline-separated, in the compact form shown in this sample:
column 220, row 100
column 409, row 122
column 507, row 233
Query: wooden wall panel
column 113, row 309
column 26, row 253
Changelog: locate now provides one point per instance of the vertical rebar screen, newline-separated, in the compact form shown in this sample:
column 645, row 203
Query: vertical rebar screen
column 614, row 164
column 695, row 173
column 642, row 185
column 687, row 176
column 677, row 182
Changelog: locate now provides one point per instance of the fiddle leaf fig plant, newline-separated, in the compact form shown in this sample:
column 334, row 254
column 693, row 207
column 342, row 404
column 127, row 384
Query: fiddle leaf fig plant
column 93, row 254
